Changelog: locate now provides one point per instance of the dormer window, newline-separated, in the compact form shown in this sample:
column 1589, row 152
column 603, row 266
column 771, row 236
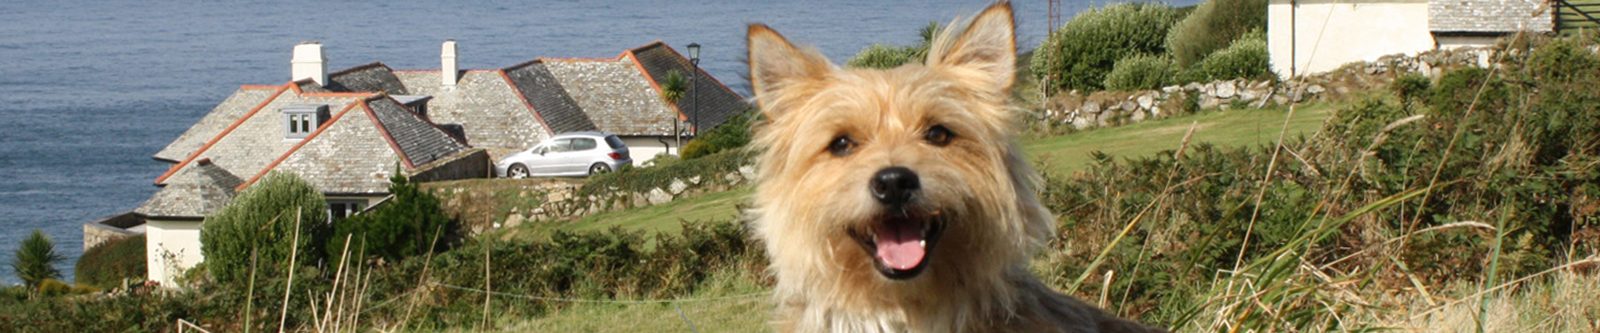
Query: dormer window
column 417, row 104
column 301, row 120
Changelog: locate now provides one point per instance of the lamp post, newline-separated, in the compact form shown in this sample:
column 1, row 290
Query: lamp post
column 694, row 60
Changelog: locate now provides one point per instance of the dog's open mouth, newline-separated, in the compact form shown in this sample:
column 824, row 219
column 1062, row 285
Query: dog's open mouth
column 901, row 244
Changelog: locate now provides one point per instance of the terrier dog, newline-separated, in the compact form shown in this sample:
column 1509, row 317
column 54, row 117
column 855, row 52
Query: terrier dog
column 897, row 200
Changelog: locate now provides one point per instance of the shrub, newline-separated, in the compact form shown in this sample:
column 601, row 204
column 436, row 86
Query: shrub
column 262, row 220
column 35, row 260
column 883, row 56
column 1457, row 89
column 400, row 227
column 1214, row 25
column 1139, row 72
column 1246, row 58
column 1082, row 52
column 108, row 264
column 1411, row 87
column 732, row 134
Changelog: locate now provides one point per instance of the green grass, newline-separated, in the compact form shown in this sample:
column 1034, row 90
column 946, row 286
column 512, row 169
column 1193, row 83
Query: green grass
column 1070, row 153
column 652, row 219
column 730, row 302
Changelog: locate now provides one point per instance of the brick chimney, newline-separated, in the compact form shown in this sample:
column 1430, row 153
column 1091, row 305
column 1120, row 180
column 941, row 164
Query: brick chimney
column 448, row 72
column 308, row 62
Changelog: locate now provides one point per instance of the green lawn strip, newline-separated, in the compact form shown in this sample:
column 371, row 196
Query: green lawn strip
column 1070, row 153
column 728, row 303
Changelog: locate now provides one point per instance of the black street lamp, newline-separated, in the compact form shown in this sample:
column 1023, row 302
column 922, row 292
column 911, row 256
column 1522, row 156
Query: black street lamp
column 694, row 59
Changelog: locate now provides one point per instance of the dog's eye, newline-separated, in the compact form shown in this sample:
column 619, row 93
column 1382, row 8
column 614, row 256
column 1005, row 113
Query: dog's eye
column 938, row 135
column 841, row 145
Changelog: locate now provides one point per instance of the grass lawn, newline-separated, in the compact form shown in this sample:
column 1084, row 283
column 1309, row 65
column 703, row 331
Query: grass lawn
column 729, row 302
column 659, row 218
column 1070, row 153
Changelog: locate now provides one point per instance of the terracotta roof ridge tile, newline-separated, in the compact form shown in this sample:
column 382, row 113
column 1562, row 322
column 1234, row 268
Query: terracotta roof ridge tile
column 236, row 122
column 313, row 135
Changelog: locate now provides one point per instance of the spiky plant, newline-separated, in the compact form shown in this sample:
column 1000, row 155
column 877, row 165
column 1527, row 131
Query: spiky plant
column 35, row 260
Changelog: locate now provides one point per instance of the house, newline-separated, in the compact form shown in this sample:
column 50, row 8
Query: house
column 1315, row 36
column 347, row 132
column 514, row 108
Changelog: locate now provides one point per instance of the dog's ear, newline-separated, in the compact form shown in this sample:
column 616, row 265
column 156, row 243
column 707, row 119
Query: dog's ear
column 988, row 46
column 775, row 64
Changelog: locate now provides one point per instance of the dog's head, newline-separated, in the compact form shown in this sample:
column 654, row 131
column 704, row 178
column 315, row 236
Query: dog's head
column 900, row 175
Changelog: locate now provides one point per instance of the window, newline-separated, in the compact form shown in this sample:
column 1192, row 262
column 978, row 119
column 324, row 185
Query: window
column 341, row 209
column 614, row 141
column 301, row 120
column 561, row 145
column 582, row 144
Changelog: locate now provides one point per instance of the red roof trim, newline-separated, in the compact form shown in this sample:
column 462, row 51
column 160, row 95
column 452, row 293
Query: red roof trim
column 224, row 133
column 260, row 86
column 384, row 131
column 702, row 69
column 524, row 98
column 296, row 147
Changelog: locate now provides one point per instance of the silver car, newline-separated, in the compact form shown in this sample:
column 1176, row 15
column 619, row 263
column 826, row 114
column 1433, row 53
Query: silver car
column 568, row 154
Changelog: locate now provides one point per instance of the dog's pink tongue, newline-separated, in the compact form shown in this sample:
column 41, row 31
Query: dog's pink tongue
column 900, row 245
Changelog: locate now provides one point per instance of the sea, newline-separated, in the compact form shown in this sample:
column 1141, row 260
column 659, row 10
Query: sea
column 89, row 90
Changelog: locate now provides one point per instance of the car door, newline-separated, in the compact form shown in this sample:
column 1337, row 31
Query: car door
column 582, row 154
column 556, row 158
column 537, row 160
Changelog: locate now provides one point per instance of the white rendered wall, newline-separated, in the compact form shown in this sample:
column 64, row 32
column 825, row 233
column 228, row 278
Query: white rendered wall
column 644, row 148
column 170, row 248
column 1349, row 31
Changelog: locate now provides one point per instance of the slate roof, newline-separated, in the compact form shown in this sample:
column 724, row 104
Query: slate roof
column 418, row 140
column 235, row 106
column 1489, row 16
column 615, row 96
column 485, row 104
column 254, row 140
column 545, row 94
column 716, row 102
column 357, row 149
column 373, row 77
column 196, row 191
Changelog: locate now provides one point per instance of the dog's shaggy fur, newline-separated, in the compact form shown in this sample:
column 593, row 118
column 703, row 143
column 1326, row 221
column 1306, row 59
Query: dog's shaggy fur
column 855, row 161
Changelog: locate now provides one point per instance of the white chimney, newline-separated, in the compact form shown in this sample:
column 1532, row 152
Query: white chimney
column 308, row 62
column 448, row 73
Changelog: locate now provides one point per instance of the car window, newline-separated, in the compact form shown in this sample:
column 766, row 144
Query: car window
column 582, row 144
column 561, row 145
column 614, row 141
column 539, row 150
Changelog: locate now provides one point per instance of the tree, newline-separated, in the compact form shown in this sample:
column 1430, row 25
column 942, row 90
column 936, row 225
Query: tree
column 881, row 56
column 401, row 227
column 36, row 259
column 262, row 220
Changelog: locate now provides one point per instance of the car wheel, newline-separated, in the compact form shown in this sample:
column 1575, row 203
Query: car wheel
column 517, row 171
column 599, row 168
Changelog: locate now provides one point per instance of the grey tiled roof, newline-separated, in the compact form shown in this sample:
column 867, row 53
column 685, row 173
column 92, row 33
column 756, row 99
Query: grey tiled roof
column 352, row 156
column 419, row 140
column 309, row 86
column 1489, row 16
column 614, row 95
column 716, row 102
column 540, row 88
column 259, row 139
column 194, row 192
column 484, row 104
column 373, row 77
column 219, row 118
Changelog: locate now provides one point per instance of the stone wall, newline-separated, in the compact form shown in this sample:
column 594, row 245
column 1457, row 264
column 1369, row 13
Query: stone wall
column 1113, row 108
column 504, row 203
column 468, row 164
column 110, row 228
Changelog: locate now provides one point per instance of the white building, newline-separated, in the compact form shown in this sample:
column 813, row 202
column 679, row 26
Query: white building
column 1315, row 36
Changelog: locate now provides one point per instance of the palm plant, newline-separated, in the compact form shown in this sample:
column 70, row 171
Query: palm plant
column 35, row 260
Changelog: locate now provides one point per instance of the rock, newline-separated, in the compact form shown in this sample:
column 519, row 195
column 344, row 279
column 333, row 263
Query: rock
column 513, row 221
column 1137, row 116
column 1089, row 107
column 694, row 180
column 732, row 178
column 1155, row 112
column 1171, row 89
column 1208, row 102
column 1128, row 106
column 639, row 200
column 748, row 172
column 1225, row 89
column 1082, row 122
column 1249, row 95
column 658, row 196
column 678, row 186
column 1315, row 89
column 1194, row 86
column 1146, row 101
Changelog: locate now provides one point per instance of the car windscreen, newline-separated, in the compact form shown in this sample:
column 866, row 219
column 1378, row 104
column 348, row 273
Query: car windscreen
column 582, row 144
column 614, row 141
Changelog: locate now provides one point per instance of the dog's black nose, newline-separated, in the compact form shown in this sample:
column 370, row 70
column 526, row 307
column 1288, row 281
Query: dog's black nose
column 895, row 185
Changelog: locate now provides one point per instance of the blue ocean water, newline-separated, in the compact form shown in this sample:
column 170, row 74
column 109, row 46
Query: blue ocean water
column 89, row 90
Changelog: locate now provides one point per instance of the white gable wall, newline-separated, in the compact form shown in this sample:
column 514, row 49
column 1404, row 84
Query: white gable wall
column 171, row 247
column 1349, row 31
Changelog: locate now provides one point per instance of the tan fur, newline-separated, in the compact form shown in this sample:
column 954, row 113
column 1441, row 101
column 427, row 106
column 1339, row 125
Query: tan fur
column 806, row 198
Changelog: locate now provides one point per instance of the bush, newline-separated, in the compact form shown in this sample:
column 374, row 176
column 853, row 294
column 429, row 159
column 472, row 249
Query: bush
column 262, row 220
column 1457, row 89
column 1082, row 52
column 35, row 260
column 1214, row 25
column 1139, row 72
column 882, row 56
column 1411, row 88
column 1246, row 58
column 732, row 134
column 400, row 227
column 108, row 264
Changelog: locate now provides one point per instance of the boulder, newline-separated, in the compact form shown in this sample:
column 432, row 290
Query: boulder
column 1089, row 107
column 748, row 172
column 678, row 186
column 1225, row 89
column 513, row 221
column 1146, row 101
column 658, row 196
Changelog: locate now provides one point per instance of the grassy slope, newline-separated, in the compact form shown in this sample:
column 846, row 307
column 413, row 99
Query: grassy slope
column 1067, row 152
